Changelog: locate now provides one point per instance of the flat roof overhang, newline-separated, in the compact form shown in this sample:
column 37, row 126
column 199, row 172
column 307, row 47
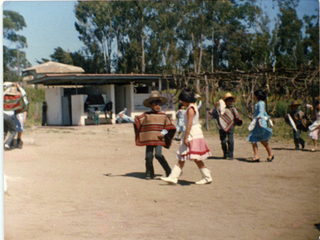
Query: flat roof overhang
column 95, row 79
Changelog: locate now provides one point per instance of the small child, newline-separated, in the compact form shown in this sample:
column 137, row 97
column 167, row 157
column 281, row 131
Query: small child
column 296, row 116
column 315, row 127
column 227, row 118
column 96, row 116
column 193, row 146
column 180, row 123
column 153, row 129
column 180, row 115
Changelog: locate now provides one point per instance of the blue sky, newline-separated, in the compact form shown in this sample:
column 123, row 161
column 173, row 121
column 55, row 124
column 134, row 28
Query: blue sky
column 50, row 24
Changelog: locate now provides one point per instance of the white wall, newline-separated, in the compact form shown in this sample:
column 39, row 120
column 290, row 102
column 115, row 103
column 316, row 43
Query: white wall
column 53, row 99
column 77, row 109
column 139, row 108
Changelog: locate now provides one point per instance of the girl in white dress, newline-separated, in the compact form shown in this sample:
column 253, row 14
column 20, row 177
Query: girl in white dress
column 192, row 145
column 315, row 127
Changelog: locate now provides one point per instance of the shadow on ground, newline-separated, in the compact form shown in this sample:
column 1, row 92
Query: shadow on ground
column 142, row 175
column 291, row 149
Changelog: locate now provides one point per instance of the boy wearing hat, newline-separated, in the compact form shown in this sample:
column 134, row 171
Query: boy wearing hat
column 296, row 116
column 153, row 129
column 8, row 116
column 227, row 117
column 20, row 115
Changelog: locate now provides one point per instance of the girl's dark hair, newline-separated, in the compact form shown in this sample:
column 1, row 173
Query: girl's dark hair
column 260, row 95
column 187, row 95
column 180, row 105
column 316, row 102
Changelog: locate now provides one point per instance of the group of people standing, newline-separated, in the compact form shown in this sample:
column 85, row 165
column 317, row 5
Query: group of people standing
column 154, row 129
column 297, row 119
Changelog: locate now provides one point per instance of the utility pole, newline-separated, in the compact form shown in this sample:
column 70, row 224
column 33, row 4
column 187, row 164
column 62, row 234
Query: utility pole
column 18, row 58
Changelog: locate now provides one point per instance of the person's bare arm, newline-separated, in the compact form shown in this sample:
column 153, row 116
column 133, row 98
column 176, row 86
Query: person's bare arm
column 190, row 115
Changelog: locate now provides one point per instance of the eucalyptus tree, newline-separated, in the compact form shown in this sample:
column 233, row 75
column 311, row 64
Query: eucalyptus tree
column 228, row 22
column 261, row 44
column 165, row 50
column 13, row 57
column 94, row 27
column 311, row 40
column 141, row 16
column 120, row 24
column 12, row 23
column 61, row 56
column 289, row 48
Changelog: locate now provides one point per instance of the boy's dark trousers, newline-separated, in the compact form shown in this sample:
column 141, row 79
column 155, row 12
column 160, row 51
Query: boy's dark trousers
column 9, row 126
column 298, row 139
column 159, row 157
column 227, row 148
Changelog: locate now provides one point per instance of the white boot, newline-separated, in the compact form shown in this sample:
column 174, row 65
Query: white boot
column 173, row 177
column 206, row 176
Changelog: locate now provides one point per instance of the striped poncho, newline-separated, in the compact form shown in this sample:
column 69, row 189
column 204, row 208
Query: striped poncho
column 148, row 126
column 226, row 120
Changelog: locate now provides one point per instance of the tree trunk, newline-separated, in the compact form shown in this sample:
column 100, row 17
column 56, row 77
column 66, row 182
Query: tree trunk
column 207, row 103
column 194, row 54
column 143, row 66
column 200, row 56
column 212, row 55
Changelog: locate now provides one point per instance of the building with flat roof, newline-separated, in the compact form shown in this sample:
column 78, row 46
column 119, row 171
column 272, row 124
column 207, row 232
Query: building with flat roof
column 67, row 92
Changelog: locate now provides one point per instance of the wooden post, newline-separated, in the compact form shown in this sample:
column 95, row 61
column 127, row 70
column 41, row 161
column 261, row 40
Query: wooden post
column 160, row 84
column 207, row 102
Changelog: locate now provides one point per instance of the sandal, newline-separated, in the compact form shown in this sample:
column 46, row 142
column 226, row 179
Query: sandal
column 255, row 160
column 313, row 149
column 270, row 159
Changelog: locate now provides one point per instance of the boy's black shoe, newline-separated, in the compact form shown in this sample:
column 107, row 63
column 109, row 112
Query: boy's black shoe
column 19, row 143
column 149, row 176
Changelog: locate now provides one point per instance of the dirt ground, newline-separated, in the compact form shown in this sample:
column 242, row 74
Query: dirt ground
column 88, row 183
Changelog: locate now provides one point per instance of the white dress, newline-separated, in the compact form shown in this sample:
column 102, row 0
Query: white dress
column 315, row 128
column 198, row 148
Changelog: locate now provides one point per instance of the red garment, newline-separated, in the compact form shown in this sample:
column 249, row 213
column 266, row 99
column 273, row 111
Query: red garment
column 227, row 120
column 148, row 126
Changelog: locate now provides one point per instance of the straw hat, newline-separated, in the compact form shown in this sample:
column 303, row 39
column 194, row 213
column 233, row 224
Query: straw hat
column 154, row 96
column 229, row 95
column 7, row 84
column 11, row 91
column 294, row 103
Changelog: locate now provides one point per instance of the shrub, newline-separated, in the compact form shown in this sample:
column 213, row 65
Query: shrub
column 35, row 98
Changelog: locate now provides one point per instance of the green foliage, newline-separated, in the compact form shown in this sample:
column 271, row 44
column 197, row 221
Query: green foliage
column 35, row 97
column 13, row 57
column 289, row 49
column 61, row 56
column 281, row 109
column 193, row 36
column 12, row 23
column 311, row 41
